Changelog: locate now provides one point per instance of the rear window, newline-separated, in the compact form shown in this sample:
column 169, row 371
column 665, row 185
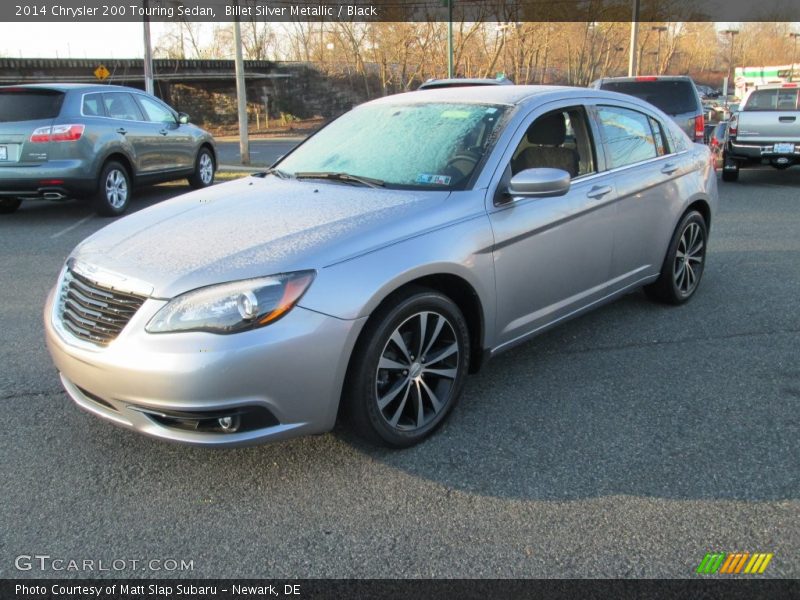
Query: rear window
column 26, row 105
column 673, row 97
column 775, row 99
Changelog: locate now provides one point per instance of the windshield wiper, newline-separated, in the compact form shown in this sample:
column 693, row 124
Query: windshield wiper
column 346, row 177
column 273, row 171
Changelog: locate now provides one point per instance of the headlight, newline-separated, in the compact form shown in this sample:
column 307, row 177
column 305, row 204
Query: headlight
column 232, row 307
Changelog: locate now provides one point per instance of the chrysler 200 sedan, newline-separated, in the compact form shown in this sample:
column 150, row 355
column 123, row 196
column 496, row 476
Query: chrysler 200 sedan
column 376, row 265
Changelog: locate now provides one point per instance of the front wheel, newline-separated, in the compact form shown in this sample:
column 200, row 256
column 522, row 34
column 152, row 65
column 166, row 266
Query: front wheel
column 9, row 205
column 113, row 191
column 684, row 263
column 203, row 175
column 408, row 369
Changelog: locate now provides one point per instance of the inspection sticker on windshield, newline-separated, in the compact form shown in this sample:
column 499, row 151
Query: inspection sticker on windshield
column 434, row 179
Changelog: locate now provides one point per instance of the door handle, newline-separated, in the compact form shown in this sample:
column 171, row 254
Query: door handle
column 598, row 191
column 787, row 119
column 122, row 131
column 669, row 169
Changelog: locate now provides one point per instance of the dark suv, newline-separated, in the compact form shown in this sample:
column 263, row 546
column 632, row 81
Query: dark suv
column 676, row 95
column 94, row 141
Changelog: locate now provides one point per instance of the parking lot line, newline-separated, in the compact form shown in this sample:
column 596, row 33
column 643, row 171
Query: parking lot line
column 71, row 227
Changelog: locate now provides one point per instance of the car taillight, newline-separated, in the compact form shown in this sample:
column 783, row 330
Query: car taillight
column 789, row 85
column 699, row 128
column 733, row 127
column 58, row 133
column 647, row 78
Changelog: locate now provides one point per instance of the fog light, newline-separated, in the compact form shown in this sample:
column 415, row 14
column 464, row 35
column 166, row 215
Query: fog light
column 228, row 424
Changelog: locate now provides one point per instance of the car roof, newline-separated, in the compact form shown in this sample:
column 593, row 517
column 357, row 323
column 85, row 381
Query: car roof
column 463, row 82
column 495, row 94
column 646, row 78
column 66, row 87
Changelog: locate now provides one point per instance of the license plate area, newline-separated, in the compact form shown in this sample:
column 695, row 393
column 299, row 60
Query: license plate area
column 783, row 149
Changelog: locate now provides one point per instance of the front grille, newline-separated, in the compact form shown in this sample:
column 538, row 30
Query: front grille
column 93, row 312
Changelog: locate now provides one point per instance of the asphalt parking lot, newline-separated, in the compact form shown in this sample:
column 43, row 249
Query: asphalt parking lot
column 627, row 443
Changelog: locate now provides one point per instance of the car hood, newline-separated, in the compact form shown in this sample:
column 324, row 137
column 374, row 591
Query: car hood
column 249, row 228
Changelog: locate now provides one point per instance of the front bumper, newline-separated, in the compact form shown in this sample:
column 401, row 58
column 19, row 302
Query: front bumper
column 293, row 369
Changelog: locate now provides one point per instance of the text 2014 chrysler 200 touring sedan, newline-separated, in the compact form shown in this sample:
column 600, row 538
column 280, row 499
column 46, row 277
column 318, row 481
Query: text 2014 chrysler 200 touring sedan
column 378, row 263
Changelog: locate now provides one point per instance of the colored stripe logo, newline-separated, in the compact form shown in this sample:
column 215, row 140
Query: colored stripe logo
column 734, row 562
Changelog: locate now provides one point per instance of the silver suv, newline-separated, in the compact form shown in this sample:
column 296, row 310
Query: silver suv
column 675, row 95
column 91, row 141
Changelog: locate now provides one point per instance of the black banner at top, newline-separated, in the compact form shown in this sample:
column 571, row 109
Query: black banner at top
column 397, row 10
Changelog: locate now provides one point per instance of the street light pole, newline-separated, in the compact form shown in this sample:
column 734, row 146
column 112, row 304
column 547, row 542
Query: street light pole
column 148, row 51
column 794, row 35
column 450, row 39
column 241, row 94
column 732, row 33
column 633, row 68
column 660, row 29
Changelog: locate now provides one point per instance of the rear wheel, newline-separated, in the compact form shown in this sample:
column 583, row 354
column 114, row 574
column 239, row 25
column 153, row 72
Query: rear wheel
column 684, row 263
column 9, row 205
column 203, row 175
column 408, row 369
column 113, row 190
column 730, row 170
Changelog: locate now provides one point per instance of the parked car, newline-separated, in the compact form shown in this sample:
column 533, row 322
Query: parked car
column 716, row 142
column 432, row 84
column 765, row 130
column 378, row 263
column 676, row 95
column 60, row 141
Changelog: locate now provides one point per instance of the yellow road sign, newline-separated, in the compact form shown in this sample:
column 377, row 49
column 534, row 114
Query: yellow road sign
column 101, row 72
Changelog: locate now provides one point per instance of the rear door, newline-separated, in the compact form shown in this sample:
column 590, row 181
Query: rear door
column 647, row 174
column 23, row 111
column 129, row 124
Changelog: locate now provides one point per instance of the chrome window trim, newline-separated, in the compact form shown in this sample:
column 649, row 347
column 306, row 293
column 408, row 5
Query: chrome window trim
column 132, row 93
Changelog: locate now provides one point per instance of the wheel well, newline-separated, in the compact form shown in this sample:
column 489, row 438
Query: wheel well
column 465, row 297
column 702, row 207
column 123, row 160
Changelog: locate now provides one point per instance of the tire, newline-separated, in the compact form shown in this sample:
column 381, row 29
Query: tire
column 385, row 402
column 204, row 169
column 681, row 272
column 730, row 171
column 113, row 190
column 9, row 205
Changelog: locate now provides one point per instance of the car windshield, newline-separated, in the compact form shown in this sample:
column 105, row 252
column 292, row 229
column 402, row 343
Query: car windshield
column 29, row 105
column 420, row 145
column 674, row 97
column 774, row 99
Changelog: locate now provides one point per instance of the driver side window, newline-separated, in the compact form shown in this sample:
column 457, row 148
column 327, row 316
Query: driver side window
column 559, row 139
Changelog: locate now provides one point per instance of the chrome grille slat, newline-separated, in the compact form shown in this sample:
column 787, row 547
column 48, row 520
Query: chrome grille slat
column 93, row 312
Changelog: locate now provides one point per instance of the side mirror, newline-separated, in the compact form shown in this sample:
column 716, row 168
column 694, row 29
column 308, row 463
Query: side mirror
column 539, row 183
column 183, row 118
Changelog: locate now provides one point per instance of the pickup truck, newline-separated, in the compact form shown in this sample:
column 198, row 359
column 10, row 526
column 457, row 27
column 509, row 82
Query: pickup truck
column 765, row 130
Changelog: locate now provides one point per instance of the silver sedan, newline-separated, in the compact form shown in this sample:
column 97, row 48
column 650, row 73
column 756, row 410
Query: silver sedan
column 375, row 266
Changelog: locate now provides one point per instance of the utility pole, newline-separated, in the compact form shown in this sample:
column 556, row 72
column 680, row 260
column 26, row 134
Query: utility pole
column 633, row 68
column 794, row 35
column 241, row 94
column 148, row 51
